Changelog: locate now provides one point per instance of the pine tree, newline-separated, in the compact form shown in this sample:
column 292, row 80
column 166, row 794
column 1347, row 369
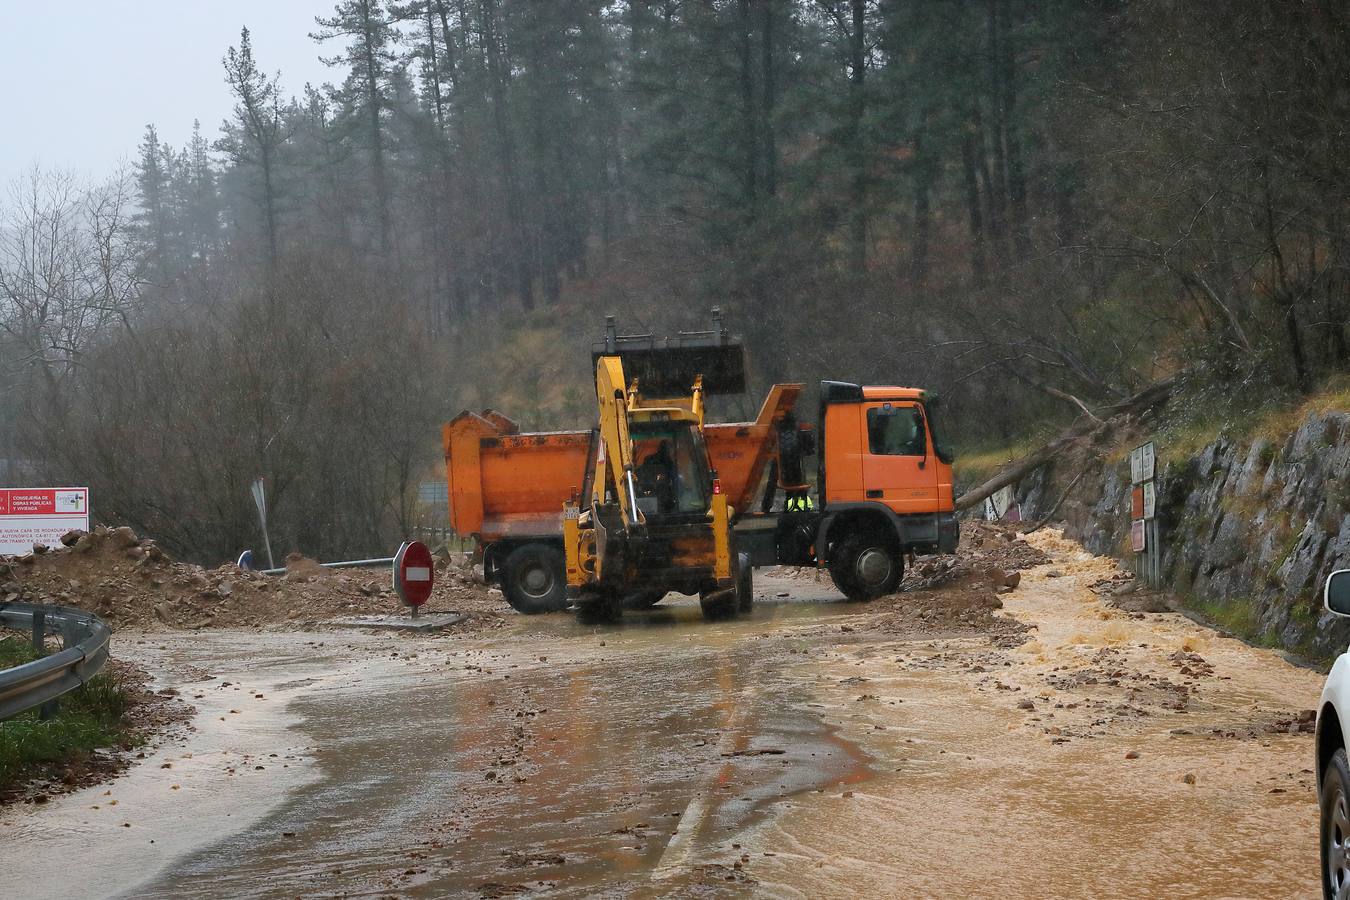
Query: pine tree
column 254, row 136
column 369, row 59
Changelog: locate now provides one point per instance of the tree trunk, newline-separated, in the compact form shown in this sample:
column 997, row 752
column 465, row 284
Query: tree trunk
column 269, row 206
column 998, row 193
column 768, row 76
column 749, row 125
column 374, row 101
column 1017, row 176
column 974, row 214
column 448, row 40
column 520, row 264
column 434, row 71
column 857, row 150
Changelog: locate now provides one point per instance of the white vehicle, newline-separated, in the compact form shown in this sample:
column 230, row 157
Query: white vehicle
column 1333, row 771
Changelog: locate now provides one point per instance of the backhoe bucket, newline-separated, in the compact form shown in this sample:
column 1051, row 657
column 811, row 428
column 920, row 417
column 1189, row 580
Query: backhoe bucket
column 667, row 367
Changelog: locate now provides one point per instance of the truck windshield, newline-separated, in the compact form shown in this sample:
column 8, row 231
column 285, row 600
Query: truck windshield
column 671, row 468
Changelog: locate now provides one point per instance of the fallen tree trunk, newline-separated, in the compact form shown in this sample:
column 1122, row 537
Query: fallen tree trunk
column 1144, row 401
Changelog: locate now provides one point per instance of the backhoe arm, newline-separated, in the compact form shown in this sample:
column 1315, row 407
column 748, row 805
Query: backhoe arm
column 614, row 463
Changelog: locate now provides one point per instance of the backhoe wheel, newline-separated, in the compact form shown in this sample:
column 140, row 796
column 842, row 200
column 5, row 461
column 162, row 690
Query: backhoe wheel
column 865, row 566
column 596, row 607
column 718, row 604
column 643, row 599
column 745, row 584
column 534, row 579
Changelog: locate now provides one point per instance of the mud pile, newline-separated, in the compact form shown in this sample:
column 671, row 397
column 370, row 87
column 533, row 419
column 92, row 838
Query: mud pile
column 132, row 584
column 958, row 594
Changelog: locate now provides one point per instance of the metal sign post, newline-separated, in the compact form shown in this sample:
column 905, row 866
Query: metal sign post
column 260, row 499
column 1144, row 532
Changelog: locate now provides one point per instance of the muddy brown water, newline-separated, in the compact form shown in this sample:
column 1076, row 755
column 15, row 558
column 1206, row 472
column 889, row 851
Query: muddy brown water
column 780, row 755
column 613, row 745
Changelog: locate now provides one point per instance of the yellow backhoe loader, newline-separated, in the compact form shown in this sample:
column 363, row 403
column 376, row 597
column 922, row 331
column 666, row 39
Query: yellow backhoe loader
column 651, row 517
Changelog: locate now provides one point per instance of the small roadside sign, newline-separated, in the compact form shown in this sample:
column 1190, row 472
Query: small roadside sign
column 1137, row 532
column 31, row 516
column 414, row 573
column 1150, row 505
column 1143, row 462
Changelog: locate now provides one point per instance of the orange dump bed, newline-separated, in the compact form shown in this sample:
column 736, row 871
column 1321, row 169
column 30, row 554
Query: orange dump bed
column 505, row 484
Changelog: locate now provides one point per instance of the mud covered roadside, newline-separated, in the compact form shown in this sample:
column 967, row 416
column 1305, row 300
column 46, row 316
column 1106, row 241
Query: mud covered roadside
column 1098, row 751
column 134, row 585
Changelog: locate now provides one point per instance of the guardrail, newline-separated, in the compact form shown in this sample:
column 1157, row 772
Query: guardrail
column 84, row 650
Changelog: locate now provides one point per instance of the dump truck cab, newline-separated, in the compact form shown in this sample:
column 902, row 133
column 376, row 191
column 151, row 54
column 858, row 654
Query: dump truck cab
column 879, row 448
column 884, row 484
column 883, row 490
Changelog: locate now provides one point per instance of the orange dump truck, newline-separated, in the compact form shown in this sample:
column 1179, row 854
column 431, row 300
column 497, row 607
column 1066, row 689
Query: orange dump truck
column 883, row 489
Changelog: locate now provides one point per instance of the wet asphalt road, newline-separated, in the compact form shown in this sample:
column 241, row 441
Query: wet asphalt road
column 799, row 752
column 619, row 761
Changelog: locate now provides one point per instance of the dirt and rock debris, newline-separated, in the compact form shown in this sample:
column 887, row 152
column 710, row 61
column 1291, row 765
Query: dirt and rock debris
column 131, row 583
column 958, row 594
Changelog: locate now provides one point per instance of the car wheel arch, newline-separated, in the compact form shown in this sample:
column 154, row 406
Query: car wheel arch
column 1330, row 738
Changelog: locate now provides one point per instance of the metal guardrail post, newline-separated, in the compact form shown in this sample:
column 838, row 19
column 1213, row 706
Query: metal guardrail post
column 49, row 709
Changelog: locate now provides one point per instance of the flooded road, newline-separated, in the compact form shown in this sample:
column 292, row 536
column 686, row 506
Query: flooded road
column 802, row 752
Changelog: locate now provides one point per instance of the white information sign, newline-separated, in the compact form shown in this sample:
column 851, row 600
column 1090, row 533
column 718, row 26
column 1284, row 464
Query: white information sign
column 1150, row 499
column 1143, row 461
column 31, row 516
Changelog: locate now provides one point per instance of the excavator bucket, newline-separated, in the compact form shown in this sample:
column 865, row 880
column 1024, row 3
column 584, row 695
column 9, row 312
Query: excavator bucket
column 667, row 367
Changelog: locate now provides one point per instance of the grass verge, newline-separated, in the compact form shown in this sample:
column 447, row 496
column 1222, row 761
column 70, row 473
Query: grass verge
column 89, row 717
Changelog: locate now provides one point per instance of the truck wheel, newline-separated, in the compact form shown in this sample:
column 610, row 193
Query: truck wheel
column 745, row 583
column 643, row 599
column 534, row 579
column 864, row 566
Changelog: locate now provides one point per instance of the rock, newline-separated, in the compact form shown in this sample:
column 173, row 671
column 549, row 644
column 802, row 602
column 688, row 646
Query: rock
column 1188, row 778
column 1132, row 754
column 1026, row 704
column 1012, row 579
column 124, row 537
column 70, row 537
column 39, row 549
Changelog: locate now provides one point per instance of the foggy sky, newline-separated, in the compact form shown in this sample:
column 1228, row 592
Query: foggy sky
column 82, row 79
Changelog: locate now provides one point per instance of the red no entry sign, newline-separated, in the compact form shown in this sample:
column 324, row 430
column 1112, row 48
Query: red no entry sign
column 413, row 573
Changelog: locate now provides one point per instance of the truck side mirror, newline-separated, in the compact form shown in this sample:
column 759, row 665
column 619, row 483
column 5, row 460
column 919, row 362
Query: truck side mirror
column 1337, row 596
